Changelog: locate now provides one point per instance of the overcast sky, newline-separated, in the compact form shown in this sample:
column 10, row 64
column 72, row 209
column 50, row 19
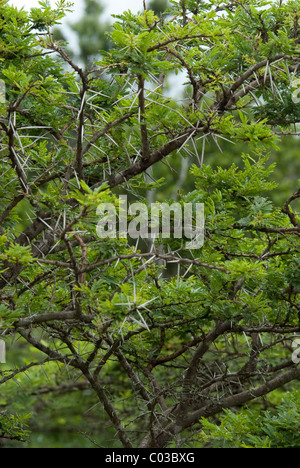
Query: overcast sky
column 112, row 6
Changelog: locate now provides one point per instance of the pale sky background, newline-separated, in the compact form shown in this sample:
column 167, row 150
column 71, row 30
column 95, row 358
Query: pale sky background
column 112, row 6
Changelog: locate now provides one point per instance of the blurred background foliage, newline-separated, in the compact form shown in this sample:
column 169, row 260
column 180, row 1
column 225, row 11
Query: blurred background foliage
column 91, row 30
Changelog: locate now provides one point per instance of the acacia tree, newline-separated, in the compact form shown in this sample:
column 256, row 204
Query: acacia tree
column 102, row 314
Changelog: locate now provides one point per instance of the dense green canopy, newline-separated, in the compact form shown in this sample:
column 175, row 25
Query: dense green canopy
column 117, row 344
